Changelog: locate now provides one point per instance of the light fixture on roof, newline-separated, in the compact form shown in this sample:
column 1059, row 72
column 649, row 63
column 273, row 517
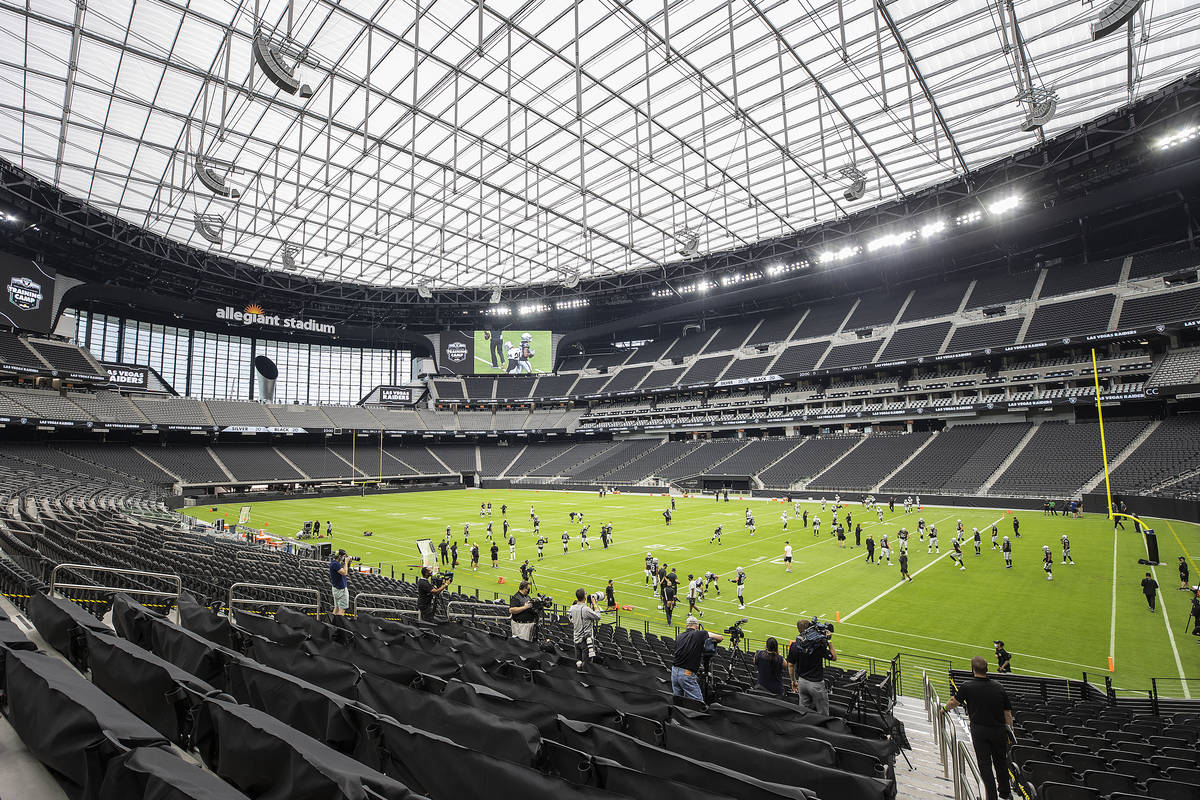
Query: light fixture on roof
column 1042, row 105
column 424, row 292
column 689, row 241
column 1004, row 204
column 570, row 280
column 206, row 173
column 1113, row 16
column 288, row 256
column 933, row 228
column 858, row 183
column 270, row 58
column 210, row 227
column 495, row 296
column 1167, row 142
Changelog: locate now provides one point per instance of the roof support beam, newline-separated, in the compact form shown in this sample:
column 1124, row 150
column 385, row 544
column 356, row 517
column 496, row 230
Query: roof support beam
column 916, row 71
column 69, row 89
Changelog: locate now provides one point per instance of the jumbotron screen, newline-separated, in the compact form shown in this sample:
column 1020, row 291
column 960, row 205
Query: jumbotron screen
column 512, row 351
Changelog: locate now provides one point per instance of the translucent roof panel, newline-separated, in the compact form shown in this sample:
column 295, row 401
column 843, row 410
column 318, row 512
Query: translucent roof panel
column 455, row 143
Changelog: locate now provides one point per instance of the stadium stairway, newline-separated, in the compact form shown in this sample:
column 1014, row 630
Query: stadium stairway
column 1119, row 458
column 927, row 779
column 832, row 464
column 878, row 488
column 1006, row 463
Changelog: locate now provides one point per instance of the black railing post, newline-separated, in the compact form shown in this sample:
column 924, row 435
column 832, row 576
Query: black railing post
column 1154, row 696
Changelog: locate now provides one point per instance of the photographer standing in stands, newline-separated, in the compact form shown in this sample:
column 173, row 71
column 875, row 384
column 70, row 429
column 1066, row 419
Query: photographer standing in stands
column 337, row 580
column 689, row 654
column 806, row 664
column 521, row 610
column 990, row 711
column 427, row 593
column 584, row 617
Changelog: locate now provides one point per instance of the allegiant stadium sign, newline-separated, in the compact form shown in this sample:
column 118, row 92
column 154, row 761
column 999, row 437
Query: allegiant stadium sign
column 254, row 315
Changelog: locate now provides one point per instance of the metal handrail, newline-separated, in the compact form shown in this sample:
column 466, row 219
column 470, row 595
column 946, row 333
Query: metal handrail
column 55, row 585
column 958, row 762
column 462, row 608
column 355, row 607
column 230, row 600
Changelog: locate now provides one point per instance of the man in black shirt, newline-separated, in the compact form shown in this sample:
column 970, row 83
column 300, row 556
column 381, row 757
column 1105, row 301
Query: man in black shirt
column 444, row 549
column 990, row 711
column 520, row 608
column 806, row 665
column 1184, row 585
column 1003, row 659
column 426, row 594
column 495, row 553
column 668, row 598
column 1149, row 588
column 689, row 653
column 610, row 596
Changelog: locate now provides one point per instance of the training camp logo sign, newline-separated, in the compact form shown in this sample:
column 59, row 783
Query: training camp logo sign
column 456, row 352
column 25, row 293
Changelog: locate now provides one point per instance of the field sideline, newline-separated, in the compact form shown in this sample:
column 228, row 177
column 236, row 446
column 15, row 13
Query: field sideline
column 1090, row 612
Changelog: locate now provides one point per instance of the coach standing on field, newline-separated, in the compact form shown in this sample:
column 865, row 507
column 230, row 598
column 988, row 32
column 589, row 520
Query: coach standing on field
column 990, row 711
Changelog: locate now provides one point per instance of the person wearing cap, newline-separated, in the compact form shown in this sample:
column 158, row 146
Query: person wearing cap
column 689, row 653
column 1003, row 659
column 990, row 712
column 337, row 582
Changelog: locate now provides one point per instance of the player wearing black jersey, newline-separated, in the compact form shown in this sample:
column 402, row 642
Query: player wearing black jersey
column 1066, row 551
column 716, row 536
column 1047, row 562
column 957, row 554
column 1006, row 551
column 975, row 533
column 740, row 580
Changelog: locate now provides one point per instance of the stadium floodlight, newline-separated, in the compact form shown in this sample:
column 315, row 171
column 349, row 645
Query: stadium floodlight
column 270, row 58
column 890, row 240
column 1113, row 16
column 931, row 229
column 210, row 227
column 833, row 256
column 214, row 182
column 858, row 183
column 1004, row 204
column 968, row 218
column 1167, row 142
column 1042, row 105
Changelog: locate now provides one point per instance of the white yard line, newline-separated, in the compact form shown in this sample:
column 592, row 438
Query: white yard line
column 897, row 585
column 1112, row 628
column 1167, row 622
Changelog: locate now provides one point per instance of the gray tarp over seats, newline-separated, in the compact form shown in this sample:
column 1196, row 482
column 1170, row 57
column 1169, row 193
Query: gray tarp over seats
column 469, row 726
column 864, row 756
column 445, row 770
column 198, row 619
column 145, row 684
column 62, row 623
column 189, row 651
column 67, row 723
column 152, row 773
column 268, row 760
column 629, row 752
column 13, row 637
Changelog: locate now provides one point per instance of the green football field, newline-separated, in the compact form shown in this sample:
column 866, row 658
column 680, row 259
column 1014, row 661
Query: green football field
column 1087, row 614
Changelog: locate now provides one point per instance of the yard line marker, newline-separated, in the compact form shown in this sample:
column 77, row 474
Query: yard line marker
column 898, row 584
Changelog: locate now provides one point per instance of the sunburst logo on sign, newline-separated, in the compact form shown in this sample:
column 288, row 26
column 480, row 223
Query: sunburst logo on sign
column 254, row 308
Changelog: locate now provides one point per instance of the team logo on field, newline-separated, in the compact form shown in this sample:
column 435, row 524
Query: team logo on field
column 25, row 293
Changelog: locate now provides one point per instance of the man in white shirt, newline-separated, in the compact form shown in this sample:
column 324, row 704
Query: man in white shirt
column 787, row 556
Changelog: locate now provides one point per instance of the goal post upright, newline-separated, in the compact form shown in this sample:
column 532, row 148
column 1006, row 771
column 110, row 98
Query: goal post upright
column 1103, row 444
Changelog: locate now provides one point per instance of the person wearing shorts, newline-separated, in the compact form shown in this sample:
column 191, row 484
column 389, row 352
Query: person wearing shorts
column 339, row 584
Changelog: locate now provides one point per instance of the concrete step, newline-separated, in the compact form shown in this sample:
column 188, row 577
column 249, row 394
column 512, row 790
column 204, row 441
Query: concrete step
column 926, row 780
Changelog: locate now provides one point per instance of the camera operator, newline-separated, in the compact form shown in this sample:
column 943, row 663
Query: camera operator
column 337, row 581
column 806, row 665
column 426, row 593
column 689, row 653
column 583, row 616
column 521, row 610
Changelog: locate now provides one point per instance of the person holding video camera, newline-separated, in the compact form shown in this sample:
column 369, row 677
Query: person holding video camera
column 427, row 590
column 523, row 613
column 338, row 568
column 584, row 617
column 689, row 654
column 806, row 663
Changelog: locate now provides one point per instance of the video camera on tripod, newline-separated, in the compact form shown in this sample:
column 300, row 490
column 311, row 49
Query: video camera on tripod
column 439, row 578
column 736, row 634
column 541, row 602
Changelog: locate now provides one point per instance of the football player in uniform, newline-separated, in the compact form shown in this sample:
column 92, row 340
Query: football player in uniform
column 716, row 537
column 1006, row 551
column 1047, row 562
column 884, row 550
column 740, row 580
column 957, row 555
column 1066, row 550
column 975, row 534
column 933, row 541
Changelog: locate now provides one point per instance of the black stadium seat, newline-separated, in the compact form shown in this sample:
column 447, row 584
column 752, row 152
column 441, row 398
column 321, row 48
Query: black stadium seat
column 1053, row 790
column 1172, row 789
column 1108, row 782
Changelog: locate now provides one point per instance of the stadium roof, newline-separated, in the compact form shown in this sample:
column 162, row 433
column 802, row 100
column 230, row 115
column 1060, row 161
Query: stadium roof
column 451, row 143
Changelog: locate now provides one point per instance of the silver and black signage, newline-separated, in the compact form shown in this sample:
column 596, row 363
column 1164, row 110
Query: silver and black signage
column 27, row 302
column 395, row 395
column 127, row 376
